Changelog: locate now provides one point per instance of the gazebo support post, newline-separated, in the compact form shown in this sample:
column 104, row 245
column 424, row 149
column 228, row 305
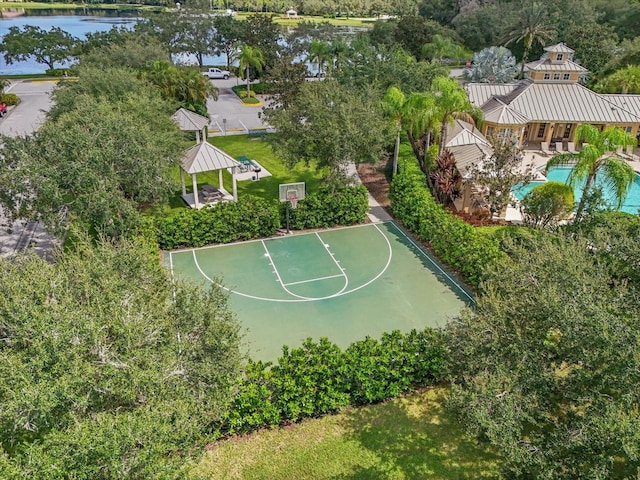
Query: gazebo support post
column 235, row 184
column 195, row 190
column 220, row 186
column 197, row 136
column 184, row 187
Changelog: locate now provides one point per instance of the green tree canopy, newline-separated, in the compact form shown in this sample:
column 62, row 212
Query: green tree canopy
column 547, row 367
column 330, row 125
column 98, row 162
column 48, row 47
column 109, row 369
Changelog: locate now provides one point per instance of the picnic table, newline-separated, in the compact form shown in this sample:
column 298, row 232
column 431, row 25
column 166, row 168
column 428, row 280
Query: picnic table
column 247, row 164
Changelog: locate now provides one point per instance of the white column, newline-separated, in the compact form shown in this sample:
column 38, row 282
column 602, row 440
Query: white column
column 197, row 136
column 195, row 190
column 235, row 185
column 220, row 186
column 184, row 187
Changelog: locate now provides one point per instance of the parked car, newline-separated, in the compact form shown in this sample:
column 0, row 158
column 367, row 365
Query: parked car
column 3, row 109
column 216, row 73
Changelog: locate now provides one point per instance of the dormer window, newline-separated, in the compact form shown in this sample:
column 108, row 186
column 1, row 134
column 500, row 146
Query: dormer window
column 560, row 56
column 547, row 76
column 566, row 76
column 556, row 76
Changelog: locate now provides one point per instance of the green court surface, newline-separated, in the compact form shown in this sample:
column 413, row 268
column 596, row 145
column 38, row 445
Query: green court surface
column 343, row 284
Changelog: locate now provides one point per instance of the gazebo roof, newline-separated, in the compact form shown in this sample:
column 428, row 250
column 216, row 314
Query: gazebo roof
column 189, row 121
column 204, row 157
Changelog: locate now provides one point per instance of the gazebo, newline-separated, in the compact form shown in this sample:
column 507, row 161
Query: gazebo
column 189, row 121
column 204, row 157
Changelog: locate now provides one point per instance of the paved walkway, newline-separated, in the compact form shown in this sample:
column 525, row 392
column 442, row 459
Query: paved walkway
column 376, row 213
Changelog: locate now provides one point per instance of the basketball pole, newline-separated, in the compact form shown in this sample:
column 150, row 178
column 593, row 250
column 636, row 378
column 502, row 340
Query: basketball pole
column 288, row 231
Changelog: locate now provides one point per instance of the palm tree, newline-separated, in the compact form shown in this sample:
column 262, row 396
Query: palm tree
column 625, row 80
column 443, row 47
column 319, row 53
column 393, row 105
column 250, row 57
column 598, row 156
column 532, row 27
column 452, row 102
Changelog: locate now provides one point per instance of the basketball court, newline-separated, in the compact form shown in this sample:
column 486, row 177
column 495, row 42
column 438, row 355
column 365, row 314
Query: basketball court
column 343, row 284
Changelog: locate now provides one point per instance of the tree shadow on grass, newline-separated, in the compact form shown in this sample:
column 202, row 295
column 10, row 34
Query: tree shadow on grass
column 415, row 437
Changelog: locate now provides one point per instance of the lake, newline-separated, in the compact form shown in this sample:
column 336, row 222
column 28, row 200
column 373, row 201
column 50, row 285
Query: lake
column 78, row 26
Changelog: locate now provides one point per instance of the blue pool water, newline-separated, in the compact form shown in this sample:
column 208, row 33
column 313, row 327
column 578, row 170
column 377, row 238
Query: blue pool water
column 631, row 203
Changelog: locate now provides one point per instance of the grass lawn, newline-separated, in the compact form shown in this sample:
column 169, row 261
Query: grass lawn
column 259, row 150
column 407, row 438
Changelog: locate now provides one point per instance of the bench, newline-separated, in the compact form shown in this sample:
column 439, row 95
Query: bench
column 257, row 132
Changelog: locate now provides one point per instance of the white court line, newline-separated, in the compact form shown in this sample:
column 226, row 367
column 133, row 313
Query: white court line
column 434, row 263
column 243, row 125
column 326, row 247
column 275, row 270
column 173, row 278
column 314, row 279
column 273, row 239
column 296, row 300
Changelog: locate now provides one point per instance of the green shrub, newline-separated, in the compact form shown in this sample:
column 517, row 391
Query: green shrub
column 257, row 88
column 454, row 241
column 324, row 209
column 249, row 217
column 319, row 378
column 9, row 98
column 56, row 72
column 250, row 101
column 547, row 204
column 243, row 94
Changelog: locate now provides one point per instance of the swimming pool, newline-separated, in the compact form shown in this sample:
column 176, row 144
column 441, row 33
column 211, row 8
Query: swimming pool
column 631, row 203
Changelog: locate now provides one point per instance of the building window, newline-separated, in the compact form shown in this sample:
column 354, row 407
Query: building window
column 547, row 76
column 541, row 129
column 490, row 131
column 556, row 76
column 628, row 129
column 566, row 76
column 567, row 131
column 505, row 133
column 560, row 56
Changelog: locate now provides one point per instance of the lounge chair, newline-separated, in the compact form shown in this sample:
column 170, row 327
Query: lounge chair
column 559, row 147
column 571, row 147
column 544, row 147
column 630, row 153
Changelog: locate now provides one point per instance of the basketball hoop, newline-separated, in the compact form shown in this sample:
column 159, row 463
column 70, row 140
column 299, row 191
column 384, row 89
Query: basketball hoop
column 294, row 201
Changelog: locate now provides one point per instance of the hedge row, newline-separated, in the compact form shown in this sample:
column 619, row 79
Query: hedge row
column 249, row 217
column 319, row 378
column 454, row 241
column 324, row 209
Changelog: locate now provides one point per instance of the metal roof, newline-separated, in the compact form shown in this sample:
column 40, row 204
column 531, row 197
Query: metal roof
column 496, row 111
column 546, row 65
column 189, row 121
column 554, row 102
column 468, row 155
column 479, row 93
column 631, row 103
column 558, row 48
column 464, row 133
column 204, row 157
